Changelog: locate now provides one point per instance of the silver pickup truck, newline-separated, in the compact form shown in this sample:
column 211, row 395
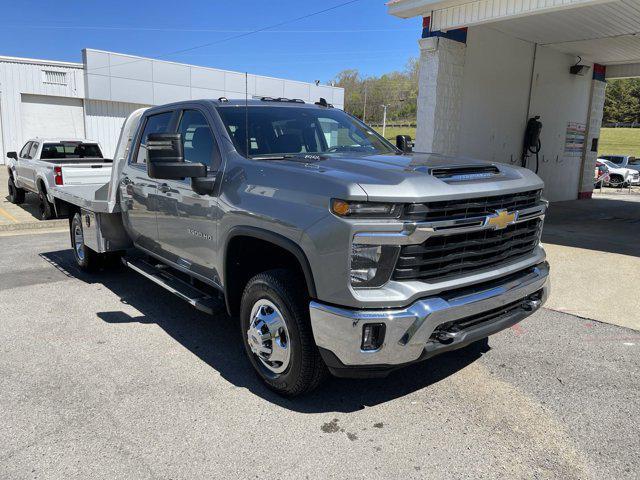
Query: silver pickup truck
column 45, row 163
column 336, row 250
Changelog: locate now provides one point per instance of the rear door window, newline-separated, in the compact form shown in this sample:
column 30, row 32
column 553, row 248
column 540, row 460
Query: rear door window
column 158, row 123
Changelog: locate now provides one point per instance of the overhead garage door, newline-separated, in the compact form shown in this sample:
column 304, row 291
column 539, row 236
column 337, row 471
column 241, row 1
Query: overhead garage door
column 46, row 116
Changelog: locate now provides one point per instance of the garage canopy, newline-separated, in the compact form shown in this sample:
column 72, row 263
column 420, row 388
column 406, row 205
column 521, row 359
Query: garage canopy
column 605, row 32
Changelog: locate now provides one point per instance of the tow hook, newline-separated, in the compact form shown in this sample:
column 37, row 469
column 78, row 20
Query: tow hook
column 530, row 305
column 445, row 337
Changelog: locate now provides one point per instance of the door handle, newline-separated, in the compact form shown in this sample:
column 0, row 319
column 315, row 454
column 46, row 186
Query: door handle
column 164, row 188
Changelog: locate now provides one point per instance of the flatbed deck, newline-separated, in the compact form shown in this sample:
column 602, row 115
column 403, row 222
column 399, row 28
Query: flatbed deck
column 89, row 197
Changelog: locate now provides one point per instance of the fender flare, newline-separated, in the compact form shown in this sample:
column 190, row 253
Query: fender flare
column 277, row 239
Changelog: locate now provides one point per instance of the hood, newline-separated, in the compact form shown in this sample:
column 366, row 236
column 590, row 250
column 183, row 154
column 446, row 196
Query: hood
column 421, row 176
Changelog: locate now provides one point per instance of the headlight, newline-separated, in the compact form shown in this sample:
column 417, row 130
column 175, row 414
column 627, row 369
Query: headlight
column 372, row 265
column 344, row 208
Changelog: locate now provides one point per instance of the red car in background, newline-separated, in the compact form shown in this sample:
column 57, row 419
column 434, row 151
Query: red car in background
column 601, row 175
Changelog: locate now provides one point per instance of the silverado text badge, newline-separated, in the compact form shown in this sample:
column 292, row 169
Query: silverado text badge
column 501, row 219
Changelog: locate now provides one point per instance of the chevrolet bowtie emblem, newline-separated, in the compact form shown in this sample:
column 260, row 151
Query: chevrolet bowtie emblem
column 501, row 219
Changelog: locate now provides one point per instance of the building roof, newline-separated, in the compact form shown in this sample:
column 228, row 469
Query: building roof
column 36, row 61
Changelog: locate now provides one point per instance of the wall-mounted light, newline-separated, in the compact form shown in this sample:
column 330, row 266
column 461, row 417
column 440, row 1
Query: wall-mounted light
column 579, row 69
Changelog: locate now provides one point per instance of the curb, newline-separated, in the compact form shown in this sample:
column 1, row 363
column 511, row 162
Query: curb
column 38, row 225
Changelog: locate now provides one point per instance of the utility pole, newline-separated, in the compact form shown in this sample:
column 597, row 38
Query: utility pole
column 364, row 110
column 384, row 120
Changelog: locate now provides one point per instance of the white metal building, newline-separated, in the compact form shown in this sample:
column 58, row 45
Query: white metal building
column 487, row 66
column 91, row 99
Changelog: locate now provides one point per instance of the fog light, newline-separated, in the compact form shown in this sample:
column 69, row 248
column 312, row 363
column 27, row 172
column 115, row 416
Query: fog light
column 372, row 265
column 372, row 336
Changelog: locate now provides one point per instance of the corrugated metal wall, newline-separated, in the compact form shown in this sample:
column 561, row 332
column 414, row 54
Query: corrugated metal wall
column 103, row 121
column 17, row 78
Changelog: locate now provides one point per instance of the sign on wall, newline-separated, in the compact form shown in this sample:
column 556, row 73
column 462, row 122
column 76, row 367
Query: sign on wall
column 574, row 139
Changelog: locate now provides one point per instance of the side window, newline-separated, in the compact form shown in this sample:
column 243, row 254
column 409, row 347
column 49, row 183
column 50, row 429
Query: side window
column 24, row 153
column 197, row 138
column 33, row 149
column 155, row 124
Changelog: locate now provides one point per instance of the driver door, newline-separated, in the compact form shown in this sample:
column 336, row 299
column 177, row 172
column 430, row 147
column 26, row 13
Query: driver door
column 187, row 221
column 139, row 196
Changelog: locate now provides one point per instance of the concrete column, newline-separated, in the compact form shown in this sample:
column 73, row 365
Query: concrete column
column 596, row 108
column 440, row 95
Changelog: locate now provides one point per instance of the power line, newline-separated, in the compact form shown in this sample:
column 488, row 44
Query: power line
column 244, row 34
column 205, row 30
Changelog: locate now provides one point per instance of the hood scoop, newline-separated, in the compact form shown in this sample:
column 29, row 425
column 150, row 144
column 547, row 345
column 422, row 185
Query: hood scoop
column 461, row 173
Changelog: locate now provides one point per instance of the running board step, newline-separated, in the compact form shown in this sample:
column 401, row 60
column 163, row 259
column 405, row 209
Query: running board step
column 163, row 277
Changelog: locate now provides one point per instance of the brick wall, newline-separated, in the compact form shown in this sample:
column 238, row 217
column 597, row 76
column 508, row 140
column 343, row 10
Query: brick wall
column 440, row 98
column 596, row 107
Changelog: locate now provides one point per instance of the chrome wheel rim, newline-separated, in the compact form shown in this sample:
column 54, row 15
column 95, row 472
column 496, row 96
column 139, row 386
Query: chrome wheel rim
column 78, row 241
column 268, row 337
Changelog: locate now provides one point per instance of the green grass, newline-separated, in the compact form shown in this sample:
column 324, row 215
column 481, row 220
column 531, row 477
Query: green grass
column 613, row 141
column 391, row 132
column 619, row 141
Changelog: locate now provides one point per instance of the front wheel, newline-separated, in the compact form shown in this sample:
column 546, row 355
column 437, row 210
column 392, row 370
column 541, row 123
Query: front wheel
column 276, row 331
column 86, row 259
column 16, row 195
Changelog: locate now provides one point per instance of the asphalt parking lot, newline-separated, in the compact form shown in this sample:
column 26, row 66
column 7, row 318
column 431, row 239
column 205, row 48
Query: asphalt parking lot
column 107, row 376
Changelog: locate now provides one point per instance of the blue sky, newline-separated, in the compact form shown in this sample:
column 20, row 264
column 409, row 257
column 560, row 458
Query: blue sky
column 360, row 35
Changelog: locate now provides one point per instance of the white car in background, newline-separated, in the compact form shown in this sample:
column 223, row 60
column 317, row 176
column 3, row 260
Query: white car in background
column 624, row 161
column 620, row 176
column 46, row 163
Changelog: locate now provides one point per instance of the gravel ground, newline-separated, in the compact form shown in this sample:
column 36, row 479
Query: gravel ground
column 107, row 376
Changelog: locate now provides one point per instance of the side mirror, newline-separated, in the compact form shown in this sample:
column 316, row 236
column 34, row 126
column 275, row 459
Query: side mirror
column 404, row 143
column 165, row 158
column 13, row 155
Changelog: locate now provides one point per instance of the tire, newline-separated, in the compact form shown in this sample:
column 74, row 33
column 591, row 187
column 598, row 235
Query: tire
column 616, row 181
column 86, row 259
column 47, row 211
column 16, row 195
column 277, row 296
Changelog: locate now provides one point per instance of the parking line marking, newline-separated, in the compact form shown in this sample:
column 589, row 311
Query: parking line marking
column 6, row 214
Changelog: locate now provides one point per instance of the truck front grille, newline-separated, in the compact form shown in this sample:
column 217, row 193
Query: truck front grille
column 443, row 256
column 467, row 208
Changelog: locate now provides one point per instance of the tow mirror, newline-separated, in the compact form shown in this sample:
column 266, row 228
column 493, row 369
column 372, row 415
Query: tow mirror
column 404, row 143
column 13, row 155
column 165, row 158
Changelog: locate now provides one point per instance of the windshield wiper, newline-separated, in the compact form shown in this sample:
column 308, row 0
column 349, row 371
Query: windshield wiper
column 271, row 157
column 286, row 156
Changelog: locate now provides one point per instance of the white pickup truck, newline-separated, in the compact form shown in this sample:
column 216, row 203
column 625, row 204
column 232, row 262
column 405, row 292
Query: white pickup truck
column 47, row 163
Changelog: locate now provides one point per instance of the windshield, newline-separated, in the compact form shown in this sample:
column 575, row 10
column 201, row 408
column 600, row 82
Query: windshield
column 614, row 159
column 276, row 131
column 609, row 163
column 70, row 150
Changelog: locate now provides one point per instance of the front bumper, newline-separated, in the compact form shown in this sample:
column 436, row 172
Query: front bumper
column 429, row 326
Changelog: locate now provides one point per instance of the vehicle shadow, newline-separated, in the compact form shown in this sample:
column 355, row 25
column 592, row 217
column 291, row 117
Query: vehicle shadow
column 30, row 205
column 602, row 224
column 216, row 341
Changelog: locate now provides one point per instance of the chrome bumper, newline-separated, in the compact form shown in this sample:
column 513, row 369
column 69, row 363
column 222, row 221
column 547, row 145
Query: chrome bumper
column 409, row 331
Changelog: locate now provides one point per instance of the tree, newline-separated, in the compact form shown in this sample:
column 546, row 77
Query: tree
column 398, row 90
column 622, row 101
